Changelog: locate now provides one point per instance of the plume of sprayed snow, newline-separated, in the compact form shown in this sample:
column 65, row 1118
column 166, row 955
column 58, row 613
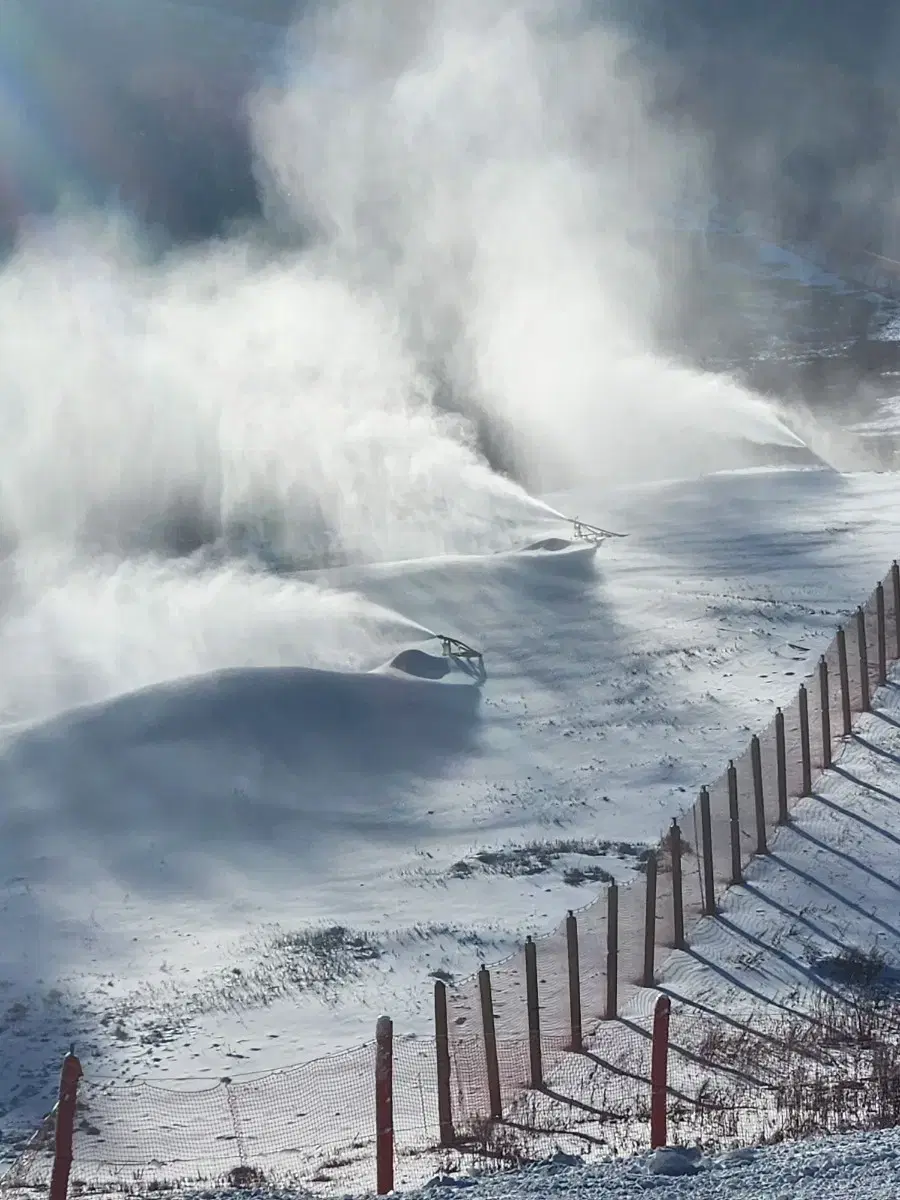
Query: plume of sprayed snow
column 493, row 171
column 76, row 632
column 471, row 188
column 219, row 393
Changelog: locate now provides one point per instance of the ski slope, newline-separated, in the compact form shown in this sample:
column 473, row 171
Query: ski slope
column 829, row 888
column 251, row 864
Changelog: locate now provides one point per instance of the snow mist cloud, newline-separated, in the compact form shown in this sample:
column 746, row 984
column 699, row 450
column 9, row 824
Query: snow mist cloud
column 457, row 285
column 470, row 192
column 498, row 174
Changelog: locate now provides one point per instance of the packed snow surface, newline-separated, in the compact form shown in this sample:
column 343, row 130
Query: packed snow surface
column 173, row 854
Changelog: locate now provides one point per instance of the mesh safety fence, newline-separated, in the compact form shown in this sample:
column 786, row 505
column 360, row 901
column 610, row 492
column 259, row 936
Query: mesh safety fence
column 312, row 1124
column 733, row 1080
column 508, row 978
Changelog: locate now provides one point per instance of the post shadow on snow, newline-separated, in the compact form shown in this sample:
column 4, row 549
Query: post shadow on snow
column 850, row 815
column 856, row 863
column 812, row 881
column 532, row 1127
column 873, row 749
column 787, row 960
column 723, row 1017
column 614, row 1068
column 689, row 1055
column 863, row 783
column 244, row 770
column 790, row 914
column 739, row 985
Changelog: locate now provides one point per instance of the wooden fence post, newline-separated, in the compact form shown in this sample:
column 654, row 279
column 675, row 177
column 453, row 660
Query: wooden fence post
column 882, row 634
column 577, row 1041
column 675, row 850
column 709, row 888
column 650, row 921
column 489, row 1028
column 825, row 708
column 805, row 758
column 781, row 768
column 384, row 1105
column 659, row 1074
column 734, row 825
column 759, row 799
column 863, row 646
column 534, row 1014
column 895, row 581
column 442, row 1050
column 64, row 1133
column 844, row 670
column 612, row 951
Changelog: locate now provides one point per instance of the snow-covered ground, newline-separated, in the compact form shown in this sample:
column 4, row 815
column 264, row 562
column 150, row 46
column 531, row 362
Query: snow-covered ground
column 830, row 886
column 173, row 855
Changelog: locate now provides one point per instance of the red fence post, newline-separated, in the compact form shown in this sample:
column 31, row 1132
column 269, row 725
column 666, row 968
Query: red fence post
column 442, row 1053
column 659, row 1073
column 489, row 1030
column 863, row 647
column 805, row 753
column 384, row 1105
column 881, row 632
column 65, row 1126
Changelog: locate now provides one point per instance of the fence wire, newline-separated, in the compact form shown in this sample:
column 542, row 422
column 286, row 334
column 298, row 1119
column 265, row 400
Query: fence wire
column 732, row 1081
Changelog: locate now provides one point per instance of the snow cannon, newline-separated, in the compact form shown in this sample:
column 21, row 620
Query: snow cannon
column 592, row 533
column 470, row 659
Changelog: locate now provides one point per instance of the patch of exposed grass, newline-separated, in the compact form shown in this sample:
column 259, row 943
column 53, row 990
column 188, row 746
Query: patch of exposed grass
column 536, row 858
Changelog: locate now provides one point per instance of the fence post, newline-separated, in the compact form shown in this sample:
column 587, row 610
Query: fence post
column 612, row 951
column 758, row 796
column 577, row 1042
column 895, row 581
column 490, row 1043
column 650, row 921
column 734, row 824
column 64, row 1134
column 805, row 758
column 442, row 1049
column 709, row 884
column 863, row 659
column 846, row 715
column 534, row 1014
column 825, row 707
column 882, row 634
column 677, row 885
column 781, row 768
column 384, row 1105
column 659, row 1072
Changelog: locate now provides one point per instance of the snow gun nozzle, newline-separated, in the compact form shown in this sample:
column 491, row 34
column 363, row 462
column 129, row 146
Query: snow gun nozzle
column 592, row 533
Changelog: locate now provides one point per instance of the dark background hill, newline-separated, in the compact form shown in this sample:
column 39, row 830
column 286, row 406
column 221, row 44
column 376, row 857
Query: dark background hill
column 141, row 99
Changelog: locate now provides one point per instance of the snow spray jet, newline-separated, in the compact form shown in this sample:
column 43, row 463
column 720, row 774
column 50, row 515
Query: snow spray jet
column 464, row 181
column 495, row 172
column 232, row 393
column 77, row 632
